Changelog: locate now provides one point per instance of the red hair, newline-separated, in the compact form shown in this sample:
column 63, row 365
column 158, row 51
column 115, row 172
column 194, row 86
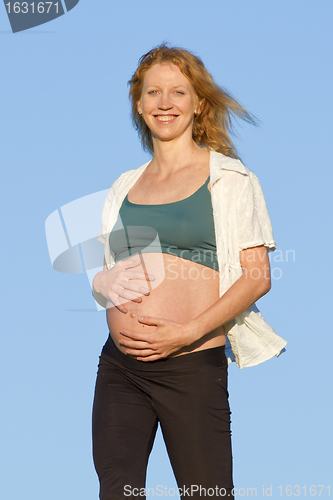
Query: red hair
column 213, row 125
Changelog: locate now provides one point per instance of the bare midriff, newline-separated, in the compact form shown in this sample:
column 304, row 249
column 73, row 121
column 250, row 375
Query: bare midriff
column 181, row 291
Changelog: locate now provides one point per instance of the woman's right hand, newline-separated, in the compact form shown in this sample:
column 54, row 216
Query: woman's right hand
column 115, row 283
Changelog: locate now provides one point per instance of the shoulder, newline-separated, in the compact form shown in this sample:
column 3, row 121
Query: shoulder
column 237, row 179
column 124, row 181
column 123, row 178
column 231, row 170
column 221, row 162
column 116, row 193
column 126, row 177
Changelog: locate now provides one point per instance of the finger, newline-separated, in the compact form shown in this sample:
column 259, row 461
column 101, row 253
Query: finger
column 148, row 320
column 135, row 344
column 134, row 335
column 149, row 277
column 132, row 287
column 120, row 301
column 120, row 307
column 146, row 359
column 129, row 263
column 128, row 295
column 137, row 275
column 123, row 291
column 141, row 353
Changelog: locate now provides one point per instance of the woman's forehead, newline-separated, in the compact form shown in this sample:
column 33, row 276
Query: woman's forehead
column 166, row 72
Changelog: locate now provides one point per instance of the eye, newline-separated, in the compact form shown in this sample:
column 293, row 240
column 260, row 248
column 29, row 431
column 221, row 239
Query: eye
column 179, row 92
column 152, row 92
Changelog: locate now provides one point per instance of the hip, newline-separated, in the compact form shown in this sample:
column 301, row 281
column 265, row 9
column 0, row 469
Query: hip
column 210, row 357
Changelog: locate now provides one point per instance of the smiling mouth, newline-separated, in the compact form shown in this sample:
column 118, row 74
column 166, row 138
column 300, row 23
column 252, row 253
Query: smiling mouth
column 165, row 118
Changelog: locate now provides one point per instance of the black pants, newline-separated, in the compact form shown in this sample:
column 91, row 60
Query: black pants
column 188, row 395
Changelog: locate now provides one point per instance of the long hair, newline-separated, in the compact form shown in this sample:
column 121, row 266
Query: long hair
column 213, row 125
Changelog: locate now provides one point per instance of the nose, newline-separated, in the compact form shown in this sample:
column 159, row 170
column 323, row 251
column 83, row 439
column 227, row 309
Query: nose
column 165, row 101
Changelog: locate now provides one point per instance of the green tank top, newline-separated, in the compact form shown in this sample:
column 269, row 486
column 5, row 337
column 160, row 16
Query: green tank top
column 183, row 228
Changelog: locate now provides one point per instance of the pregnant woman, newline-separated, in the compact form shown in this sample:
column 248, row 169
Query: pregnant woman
column 186, row 239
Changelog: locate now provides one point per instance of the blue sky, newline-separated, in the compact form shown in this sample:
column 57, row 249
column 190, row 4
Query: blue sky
column 66, row 133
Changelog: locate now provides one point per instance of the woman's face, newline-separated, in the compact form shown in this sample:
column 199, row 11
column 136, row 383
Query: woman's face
column 168, row 102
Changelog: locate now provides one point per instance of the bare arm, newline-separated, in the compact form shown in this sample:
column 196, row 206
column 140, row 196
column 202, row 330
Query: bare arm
column 253, row 284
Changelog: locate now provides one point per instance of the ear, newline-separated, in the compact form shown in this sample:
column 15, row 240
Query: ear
column 139, row 107
column 199, row 106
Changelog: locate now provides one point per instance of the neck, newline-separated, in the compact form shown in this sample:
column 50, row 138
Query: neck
column 170, row 156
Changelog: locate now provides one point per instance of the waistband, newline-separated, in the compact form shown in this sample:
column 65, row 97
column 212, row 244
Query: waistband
column 212, row 356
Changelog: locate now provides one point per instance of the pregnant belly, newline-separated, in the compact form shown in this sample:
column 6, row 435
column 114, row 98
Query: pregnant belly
column 181, row 291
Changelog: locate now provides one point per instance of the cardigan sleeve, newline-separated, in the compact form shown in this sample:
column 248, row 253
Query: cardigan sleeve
column 253, row 222
column 105, row 216
column 110, row 207
column 103, row 238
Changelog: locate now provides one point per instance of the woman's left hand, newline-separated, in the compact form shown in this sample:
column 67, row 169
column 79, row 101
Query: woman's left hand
column 168, row 337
